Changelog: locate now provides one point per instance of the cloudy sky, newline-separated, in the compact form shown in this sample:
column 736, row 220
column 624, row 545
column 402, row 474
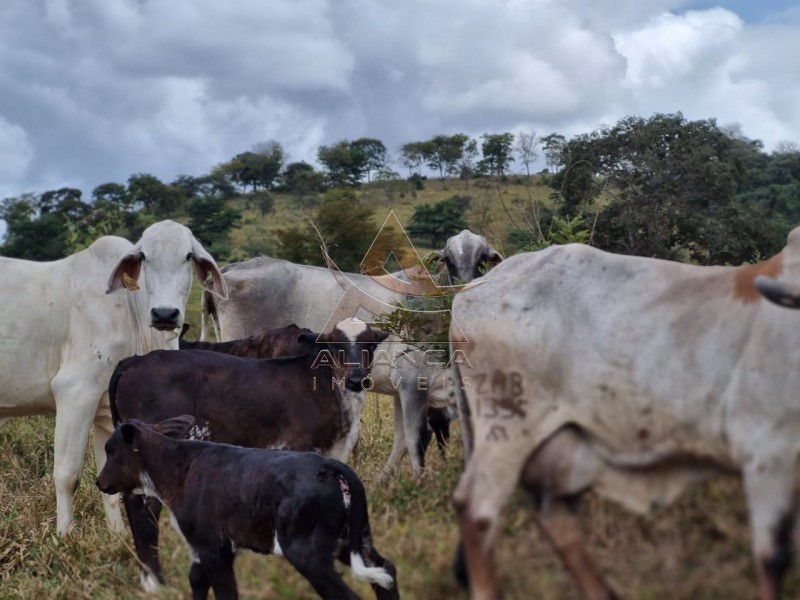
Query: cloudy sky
column 92, row 91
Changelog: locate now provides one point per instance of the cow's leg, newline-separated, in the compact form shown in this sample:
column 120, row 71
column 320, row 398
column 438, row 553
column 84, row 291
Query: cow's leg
column 768, row 485
column 103, row 427
column 399, row 442
column 415, row 423
column 374, row 559
column 555, row 476
column 76, row 404
column 199, row 582
column 439, row 421
column 483, row 490
column 316, row 565
column 218, row 569
column 559, row 523
column 143, row 516
column 467, row 433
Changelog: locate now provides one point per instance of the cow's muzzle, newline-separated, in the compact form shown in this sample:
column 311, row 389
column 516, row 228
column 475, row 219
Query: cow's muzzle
column 164, row 319
column 106, row 489
column 356, row 380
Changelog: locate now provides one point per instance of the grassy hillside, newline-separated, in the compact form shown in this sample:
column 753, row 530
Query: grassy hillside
column 696, row 549
column 493, row 209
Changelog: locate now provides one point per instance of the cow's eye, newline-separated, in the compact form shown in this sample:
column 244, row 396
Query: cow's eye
column 189, row 257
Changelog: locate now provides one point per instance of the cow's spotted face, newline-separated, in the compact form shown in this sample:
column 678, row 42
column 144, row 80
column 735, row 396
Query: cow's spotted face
column 353, row 343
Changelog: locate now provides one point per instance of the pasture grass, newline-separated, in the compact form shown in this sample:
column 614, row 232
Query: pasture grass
column 697, row 549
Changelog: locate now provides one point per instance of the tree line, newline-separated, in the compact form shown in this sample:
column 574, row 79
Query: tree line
column 662, row 186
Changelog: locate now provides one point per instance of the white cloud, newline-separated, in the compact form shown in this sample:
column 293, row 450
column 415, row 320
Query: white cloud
column 98, row 90
column 671, row 46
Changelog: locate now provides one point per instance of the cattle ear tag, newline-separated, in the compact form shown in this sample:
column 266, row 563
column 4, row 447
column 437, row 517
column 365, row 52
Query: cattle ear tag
column 129, row 282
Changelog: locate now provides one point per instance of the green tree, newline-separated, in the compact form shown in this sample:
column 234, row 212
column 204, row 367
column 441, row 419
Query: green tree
column 211, row 220
column 413, row 156
column 553, row 147
column 256, row 170
column 444, row 153
column 114, row 193
column 341, row 224
column 497, row 153
column 671, row 182
column 437, row 222
column 374, row 153
column 157, row 198
column 345, row 162
column 301, row 179
column 347, row 227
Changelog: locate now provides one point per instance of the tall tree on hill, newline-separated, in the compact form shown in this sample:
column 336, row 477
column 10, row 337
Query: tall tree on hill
column 157, row 198
column 443, row 153
column 497, row 153
column 553, row 146
column 346, row 164
column 413, row 156
column 374, row 154
column 258, row 169
column 300, row 178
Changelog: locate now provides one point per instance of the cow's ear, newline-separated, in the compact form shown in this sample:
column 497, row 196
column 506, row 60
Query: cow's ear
column 206, row 271
column 176, row 427
column 310, row 338
column 130, row 434
column 493, row 258
column 126, row 273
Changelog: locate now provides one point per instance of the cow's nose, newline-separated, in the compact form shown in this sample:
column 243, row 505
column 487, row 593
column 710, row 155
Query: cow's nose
column 164, row 317
column 356, row 383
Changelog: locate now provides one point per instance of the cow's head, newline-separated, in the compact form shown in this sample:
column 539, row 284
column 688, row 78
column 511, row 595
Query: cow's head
column 167, row 253
column 125, row 468
column 467, row 256
column 352, row 344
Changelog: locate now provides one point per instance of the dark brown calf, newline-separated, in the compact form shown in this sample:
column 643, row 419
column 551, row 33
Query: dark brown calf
column 270, row 344
column 282, row 403
column 306, row 507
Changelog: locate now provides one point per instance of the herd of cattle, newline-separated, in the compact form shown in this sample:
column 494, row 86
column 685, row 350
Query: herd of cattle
column 579, row 370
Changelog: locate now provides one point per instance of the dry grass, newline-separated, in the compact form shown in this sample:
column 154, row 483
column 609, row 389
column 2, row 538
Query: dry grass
column 697, row 549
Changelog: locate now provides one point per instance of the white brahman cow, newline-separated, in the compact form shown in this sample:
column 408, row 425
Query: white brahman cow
column 64, row 331
column 633, row 377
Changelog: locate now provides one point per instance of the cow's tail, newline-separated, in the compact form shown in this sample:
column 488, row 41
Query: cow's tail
column 363, row 557
column 119, row 371
column 208, row 309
